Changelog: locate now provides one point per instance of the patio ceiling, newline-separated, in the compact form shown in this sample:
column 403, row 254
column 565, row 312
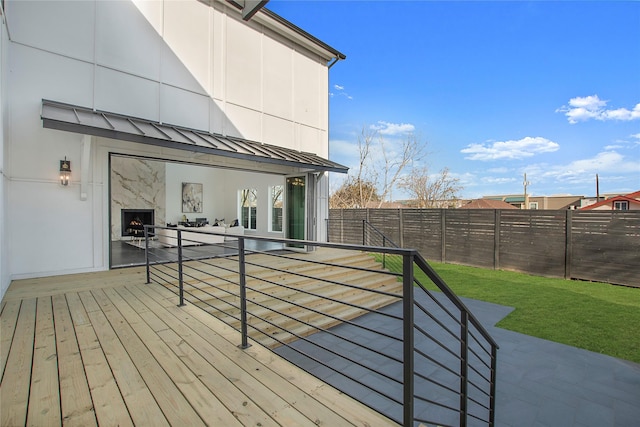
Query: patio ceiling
column 73, row 118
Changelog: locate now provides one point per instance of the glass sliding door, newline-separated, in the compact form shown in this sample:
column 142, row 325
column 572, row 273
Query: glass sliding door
column 296, row 217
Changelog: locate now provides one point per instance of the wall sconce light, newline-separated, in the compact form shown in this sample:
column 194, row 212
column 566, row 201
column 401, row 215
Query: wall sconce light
column 65, row 171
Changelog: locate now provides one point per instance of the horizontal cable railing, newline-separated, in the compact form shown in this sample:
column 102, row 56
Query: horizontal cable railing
column 381, row 335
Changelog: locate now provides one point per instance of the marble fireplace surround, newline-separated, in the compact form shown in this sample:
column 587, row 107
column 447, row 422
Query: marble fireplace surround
column 136, row 184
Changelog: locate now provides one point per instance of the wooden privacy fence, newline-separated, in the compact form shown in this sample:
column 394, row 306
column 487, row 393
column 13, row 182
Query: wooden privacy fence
column 601, row 246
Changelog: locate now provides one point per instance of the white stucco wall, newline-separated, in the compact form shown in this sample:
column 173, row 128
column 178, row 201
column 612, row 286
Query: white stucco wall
column 184, row 63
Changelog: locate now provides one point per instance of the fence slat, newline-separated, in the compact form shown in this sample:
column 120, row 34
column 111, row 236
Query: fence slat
column 589, row 245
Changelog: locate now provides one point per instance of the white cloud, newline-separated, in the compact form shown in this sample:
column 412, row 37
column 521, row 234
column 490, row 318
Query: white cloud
column 344, row 152
column 386, row 128
column 341, row 92
column 592, row 107
column 636, row 136
column 520, row 149
column 498, row 170
column 494, row 180
column 584, row 170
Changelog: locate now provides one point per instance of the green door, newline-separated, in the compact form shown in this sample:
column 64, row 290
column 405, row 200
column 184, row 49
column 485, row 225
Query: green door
column 296, row 208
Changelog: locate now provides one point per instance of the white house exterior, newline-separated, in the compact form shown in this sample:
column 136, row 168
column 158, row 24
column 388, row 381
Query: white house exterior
column 75, row 73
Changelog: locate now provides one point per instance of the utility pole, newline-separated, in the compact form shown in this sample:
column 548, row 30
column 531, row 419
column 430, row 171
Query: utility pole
column 526, row 196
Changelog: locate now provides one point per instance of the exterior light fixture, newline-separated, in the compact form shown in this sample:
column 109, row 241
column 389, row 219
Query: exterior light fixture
column 65, row 171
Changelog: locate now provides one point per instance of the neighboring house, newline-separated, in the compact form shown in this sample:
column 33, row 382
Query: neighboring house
column 629, row 202
column 554, row 202
column 487, row 204
column 539, row 202
column 515, row 200
column 145, row 98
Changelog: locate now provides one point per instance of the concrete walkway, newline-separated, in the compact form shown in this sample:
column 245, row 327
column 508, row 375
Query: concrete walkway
column 539, row 382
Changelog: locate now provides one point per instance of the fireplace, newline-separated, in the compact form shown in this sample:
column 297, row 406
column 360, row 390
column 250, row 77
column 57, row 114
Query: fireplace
column 133, row 221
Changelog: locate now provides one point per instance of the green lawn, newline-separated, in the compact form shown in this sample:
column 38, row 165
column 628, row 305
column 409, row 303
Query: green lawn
column 594, row 316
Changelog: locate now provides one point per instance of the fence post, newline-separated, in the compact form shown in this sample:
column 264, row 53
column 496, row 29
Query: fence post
column 243, row 294
column 407, row 308
column 443, row 236
column 364, row 232
column 401, row 217
column 496, row 239
column 180, row 277
column 568, row 246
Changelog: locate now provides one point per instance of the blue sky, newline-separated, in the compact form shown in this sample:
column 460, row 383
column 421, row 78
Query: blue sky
column 494, row 89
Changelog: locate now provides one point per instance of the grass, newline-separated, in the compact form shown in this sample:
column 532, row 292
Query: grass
column 594, row 316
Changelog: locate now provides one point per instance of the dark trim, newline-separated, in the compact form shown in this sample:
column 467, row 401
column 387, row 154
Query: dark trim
column 338, row 55
column 279, row 19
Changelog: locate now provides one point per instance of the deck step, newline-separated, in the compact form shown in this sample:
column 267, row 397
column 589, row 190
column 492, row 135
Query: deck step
column 291, row 296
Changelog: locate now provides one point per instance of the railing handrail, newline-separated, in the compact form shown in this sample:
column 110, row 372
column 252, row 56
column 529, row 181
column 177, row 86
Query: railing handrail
column 446, row 290
column 380, row 233
column 438, row 281
column 345, row 246
column 412, row 263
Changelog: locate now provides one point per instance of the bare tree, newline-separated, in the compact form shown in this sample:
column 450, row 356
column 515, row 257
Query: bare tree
column 354, row 193
column 395, row 163
column 431, row 191
column 380, row 166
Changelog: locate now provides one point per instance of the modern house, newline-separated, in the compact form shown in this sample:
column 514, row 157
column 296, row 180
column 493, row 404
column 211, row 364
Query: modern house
column 156, row 112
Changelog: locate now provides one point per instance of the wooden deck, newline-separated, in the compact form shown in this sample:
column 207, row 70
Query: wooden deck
column 107, row 349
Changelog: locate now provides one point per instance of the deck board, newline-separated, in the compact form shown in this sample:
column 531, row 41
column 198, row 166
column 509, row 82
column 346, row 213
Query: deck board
column 14, row 389
column 108, row 404
column 44, row 394
column 8, row 321
column 135, row 392
column 75, row 399
column 107, row 349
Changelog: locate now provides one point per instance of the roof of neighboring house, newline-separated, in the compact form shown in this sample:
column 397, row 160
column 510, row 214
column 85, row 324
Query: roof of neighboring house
column 634, row 195
column 631, row 198
column 487, row 204
column 385, row 205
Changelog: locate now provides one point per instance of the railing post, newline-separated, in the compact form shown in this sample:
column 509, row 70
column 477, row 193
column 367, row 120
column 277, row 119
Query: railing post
column 327, row 224
column 492, row 393
column 407, row 309
column 243, row 294
column 464, row 361
column 180, row 277
column 146, row 253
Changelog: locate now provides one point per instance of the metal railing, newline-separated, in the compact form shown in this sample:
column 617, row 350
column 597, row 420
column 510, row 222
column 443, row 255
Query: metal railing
column 397, row 339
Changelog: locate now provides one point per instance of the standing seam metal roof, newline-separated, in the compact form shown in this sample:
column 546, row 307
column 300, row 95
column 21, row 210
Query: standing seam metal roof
column 73, row 118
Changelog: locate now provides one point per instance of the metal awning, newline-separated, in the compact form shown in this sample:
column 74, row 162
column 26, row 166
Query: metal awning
column 72, row 118
column 514, row 199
